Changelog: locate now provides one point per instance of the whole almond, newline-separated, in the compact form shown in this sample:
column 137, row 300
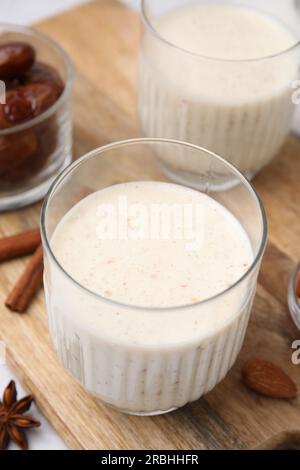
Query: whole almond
column 267, row 379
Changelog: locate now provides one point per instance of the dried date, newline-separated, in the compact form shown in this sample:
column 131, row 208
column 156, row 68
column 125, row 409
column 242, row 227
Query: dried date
column 15, row 59
column 17, row 108
column 40, row 95
column 26, row 102
column 15, row 150
column 43, row 73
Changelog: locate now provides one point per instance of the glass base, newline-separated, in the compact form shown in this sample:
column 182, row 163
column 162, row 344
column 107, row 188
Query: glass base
column 140, row 413
column 25, row 198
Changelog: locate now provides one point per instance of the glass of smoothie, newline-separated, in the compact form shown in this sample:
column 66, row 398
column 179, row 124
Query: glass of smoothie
column 149, row 284
column 222, row 75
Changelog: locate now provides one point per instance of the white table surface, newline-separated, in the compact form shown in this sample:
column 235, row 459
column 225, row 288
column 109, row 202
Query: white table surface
column 24, row 12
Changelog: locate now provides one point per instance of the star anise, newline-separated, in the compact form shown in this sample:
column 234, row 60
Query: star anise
column 12, row 421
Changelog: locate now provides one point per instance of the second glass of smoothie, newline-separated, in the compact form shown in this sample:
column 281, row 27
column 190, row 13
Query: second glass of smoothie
column 221, row 76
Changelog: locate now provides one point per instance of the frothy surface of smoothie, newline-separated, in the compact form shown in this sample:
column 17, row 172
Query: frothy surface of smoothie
column 224, row 32
column 147, row 272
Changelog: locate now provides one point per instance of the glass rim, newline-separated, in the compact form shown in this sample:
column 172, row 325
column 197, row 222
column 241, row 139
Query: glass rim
column 8, row 27
column 149, row 24
column 292, row 288
column 144, row 140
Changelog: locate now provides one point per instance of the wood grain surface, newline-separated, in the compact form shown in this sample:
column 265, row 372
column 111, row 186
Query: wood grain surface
column 102, row 38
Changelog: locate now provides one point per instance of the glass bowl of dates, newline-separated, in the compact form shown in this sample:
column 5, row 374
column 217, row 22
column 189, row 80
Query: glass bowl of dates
column 35, row 114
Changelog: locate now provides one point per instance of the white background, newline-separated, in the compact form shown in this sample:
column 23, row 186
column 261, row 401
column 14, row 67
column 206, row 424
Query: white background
column 22, row 12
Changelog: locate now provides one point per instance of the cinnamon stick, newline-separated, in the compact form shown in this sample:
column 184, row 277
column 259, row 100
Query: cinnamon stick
column 28, row 284
column 19, row 245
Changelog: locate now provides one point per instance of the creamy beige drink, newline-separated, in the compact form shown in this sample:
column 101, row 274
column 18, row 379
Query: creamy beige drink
column 226, row 85
column 137, row 347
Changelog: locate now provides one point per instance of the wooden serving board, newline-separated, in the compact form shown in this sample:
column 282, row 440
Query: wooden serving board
column 102, row 37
